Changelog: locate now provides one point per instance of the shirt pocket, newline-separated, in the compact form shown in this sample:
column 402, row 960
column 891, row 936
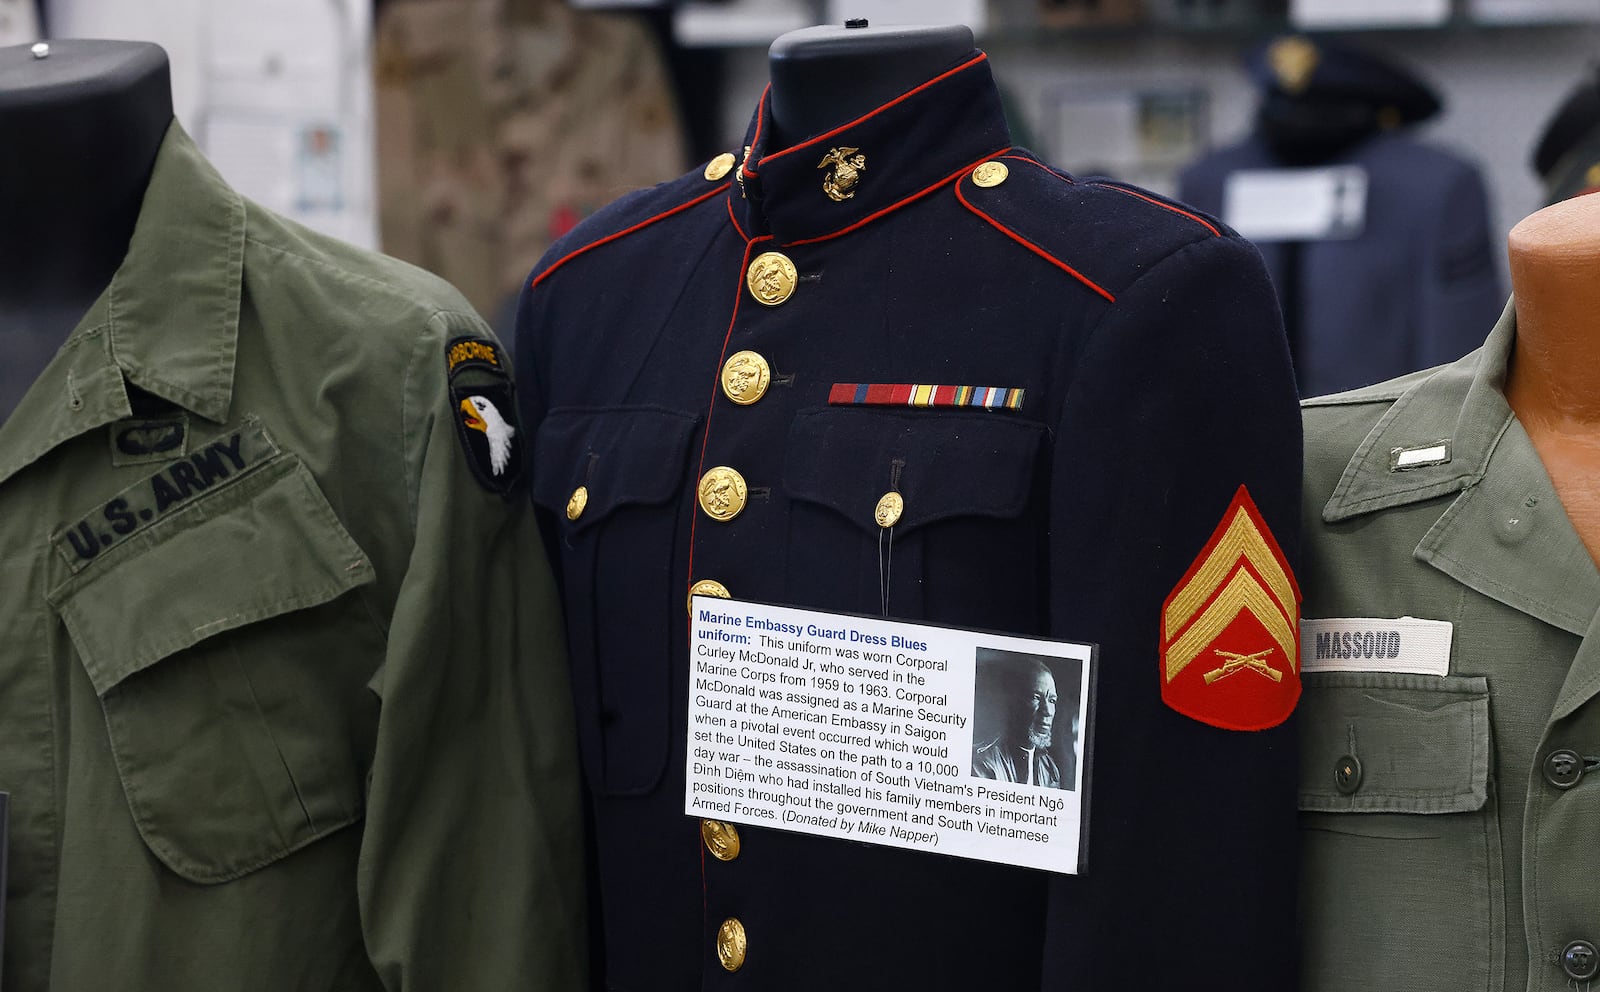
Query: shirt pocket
column 967, row 546
column 1401, row 871
column 232, row 672
column 630, row 464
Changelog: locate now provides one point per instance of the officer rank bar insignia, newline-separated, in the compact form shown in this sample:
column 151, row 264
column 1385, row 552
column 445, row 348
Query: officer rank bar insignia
column 211, row 465
column 910, row 394
column 1230, row 630
column 485, row 411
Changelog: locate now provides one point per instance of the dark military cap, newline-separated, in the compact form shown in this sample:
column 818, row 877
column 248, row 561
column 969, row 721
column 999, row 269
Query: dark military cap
column 1315, row 70
column 1567, row 156
column 1320, row 98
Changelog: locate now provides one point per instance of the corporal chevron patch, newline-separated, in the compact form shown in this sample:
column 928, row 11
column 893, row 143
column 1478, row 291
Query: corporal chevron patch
column 1230, row 630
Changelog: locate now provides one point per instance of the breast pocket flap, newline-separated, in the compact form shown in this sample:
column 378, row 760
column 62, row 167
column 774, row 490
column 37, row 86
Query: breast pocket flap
column 1378, row 742
column 266, row 545
column 940, row 465
column 589, row 463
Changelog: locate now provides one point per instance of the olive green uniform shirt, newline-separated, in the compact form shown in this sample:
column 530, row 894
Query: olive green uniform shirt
column 1449, row 855
column 282, row 698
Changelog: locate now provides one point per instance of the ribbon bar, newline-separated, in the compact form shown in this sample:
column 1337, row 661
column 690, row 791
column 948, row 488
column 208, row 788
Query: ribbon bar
column 911, row 394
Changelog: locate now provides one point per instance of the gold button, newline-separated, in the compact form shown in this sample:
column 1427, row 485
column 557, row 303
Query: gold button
column 731, row 944
column 1592, row 177
column 722, row 839
column 576, row 502
column 707, row 587
column 771, row 278
column 722, row 493
column 719, row 166
column 990, row 174
column 890, row 506
column 745, row 377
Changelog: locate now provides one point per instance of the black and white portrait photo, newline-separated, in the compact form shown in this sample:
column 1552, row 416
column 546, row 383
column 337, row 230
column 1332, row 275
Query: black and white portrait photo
column 1026, row 718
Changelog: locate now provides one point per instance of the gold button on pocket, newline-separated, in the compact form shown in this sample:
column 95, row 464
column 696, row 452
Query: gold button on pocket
column 889, row 508
column 577, row 501
column 722, row 493
column 719, row 166
column 721, row 839
column 731, row 944
column 771, row 278
column 745, row 377
column 707, row 587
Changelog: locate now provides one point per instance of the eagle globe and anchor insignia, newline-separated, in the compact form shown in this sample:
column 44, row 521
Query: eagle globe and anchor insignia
column 1230, row 630
column 845, row 166
column 485, row 412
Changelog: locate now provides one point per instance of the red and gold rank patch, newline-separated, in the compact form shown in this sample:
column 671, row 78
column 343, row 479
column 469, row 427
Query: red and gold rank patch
column 1230, row 630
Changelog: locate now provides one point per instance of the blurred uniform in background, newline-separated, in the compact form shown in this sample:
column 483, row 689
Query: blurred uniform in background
column 1411, row 281
column 1567, row 156
column 502, row 123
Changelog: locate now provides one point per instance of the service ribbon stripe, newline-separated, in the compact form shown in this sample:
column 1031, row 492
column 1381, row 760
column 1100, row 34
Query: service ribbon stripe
column 924, row 395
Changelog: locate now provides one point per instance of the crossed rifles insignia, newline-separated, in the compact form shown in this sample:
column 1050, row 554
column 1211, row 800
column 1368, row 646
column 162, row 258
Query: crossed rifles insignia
column 1239, row 607
column 1237, row 663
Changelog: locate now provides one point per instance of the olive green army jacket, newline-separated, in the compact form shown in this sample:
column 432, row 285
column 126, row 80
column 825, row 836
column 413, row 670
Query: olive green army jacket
column 282, row 695
column 1451, row 838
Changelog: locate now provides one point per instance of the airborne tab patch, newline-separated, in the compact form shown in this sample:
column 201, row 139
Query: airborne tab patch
column 485, row 411
column 1230, row 631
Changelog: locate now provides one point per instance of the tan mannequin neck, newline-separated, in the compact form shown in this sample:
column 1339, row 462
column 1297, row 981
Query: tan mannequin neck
column 1554, row 379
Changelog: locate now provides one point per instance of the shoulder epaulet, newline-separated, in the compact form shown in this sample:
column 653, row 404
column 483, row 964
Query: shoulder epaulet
column 1104, row 234
column 634, row 212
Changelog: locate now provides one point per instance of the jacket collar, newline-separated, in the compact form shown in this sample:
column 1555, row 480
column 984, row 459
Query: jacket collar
column 1462, row 404
column 167, row 322
column 880, row 161
column 1505, row 534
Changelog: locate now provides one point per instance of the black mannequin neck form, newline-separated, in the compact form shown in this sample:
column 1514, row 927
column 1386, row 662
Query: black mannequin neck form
column 826, row 76
column 81, row 129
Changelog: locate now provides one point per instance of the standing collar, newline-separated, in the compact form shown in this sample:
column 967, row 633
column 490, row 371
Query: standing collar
column 167, row 322
column 874, row 164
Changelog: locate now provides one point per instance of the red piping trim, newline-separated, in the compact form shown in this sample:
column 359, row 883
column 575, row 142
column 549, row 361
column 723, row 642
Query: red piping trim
column 564, row 259
column 694, row 512
column 873, row 113
column 734, row 217
column 755, row 142
column 869, row 218
column 1165, row 206
column 1024, row 242
column 1037, row 164
column 705, row 439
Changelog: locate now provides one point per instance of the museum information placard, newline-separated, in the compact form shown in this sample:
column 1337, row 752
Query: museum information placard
column 958, row 742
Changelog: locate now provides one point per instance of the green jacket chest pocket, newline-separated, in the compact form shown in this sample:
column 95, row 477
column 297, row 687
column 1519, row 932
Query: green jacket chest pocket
column 1397, row 837
column 231, row 669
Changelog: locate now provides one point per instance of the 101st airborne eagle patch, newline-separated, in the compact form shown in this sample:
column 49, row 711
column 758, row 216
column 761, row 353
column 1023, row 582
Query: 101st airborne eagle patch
column 1230, row 630
column 485, row 412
